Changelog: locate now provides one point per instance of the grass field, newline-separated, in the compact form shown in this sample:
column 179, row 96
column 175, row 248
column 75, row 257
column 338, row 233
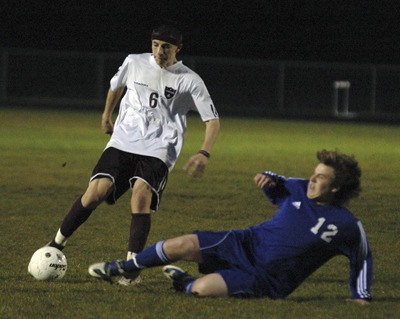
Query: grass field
column 46, row 158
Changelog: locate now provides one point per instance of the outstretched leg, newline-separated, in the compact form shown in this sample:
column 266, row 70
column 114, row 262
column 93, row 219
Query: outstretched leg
column 81, row 210
column 162, row 253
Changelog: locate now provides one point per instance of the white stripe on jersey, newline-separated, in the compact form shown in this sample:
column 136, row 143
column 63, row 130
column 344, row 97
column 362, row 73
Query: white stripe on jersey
column 362, row 275
column 362, row 282
column 363, row 251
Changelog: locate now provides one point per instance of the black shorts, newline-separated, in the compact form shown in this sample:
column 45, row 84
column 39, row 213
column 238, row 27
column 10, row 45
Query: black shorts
column 125, row 168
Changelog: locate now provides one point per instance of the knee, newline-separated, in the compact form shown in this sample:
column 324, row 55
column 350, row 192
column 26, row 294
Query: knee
column 95, row 194
column 176, row 245
column 91, row 200
column 200, row 289
column 212, row 285
column 184, row 247
column 141, row 197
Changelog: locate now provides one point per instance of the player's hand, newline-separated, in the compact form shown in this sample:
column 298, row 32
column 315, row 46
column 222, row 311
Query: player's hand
column 107, row 125
column 262, row 180
column 196, row 165
column 362, row 302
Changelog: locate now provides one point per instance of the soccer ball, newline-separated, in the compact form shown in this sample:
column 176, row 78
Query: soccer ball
column 48, row 263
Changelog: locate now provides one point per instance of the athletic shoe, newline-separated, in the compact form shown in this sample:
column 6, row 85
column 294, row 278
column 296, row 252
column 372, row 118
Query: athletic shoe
column 55, row 245
column 107, row 270
column 130, row 279
column 126, row 281
column 180, row 278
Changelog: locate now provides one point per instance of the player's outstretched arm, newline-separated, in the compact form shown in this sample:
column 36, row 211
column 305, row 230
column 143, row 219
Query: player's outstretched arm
column 111, row 102
column 262, row 180
column 197, row 163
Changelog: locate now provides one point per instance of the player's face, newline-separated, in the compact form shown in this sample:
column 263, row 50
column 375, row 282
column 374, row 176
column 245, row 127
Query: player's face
column 164, row 53
column 320, row 187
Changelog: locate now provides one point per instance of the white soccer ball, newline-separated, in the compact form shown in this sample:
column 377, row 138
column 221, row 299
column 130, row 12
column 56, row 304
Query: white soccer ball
column 48, row 263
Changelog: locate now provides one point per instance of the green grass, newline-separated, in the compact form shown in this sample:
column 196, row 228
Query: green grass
column 46, row 159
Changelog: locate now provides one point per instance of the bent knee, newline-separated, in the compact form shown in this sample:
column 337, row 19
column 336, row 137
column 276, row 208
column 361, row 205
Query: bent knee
column 92, row 200
column 200, row 289
column 184, row 247
column 212, row 285
column 96, row 193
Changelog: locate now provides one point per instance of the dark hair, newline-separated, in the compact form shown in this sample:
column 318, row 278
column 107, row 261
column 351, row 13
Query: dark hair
column 347, row 175
column 168, row 33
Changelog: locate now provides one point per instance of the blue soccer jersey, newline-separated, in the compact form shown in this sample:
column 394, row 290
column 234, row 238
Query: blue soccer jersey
column 273, row 258
column 302, row 236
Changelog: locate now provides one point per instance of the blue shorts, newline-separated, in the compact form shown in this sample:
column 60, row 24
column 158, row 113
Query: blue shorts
column 228, row 253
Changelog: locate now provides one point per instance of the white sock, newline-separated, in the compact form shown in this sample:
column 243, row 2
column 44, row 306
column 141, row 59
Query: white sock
column 60, row 239
column 130, row 255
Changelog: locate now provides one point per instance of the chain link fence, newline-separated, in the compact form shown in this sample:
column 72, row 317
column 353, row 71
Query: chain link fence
column 239, row 87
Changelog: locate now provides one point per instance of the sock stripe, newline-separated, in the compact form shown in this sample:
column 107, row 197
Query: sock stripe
column 160, row 252
column 133, row 259
column 188, row 289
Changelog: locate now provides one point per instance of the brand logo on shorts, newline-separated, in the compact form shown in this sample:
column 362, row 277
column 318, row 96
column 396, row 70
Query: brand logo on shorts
column 169, row 92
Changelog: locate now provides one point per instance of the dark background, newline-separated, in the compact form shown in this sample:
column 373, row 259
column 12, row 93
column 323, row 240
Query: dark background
column 328, row 31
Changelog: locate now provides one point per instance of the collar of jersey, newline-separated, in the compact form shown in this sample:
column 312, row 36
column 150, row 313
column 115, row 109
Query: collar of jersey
column 170, row 68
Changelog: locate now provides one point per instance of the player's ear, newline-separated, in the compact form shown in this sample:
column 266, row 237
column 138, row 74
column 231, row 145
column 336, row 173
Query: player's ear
column 335, row 190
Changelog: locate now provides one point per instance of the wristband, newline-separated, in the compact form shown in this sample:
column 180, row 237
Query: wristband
column 205, row 153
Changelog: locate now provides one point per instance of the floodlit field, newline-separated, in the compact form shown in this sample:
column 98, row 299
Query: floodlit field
column 46, row 159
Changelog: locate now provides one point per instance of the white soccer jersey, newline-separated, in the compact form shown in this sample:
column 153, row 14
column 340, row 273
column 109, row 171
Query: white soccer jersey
column 152, row 113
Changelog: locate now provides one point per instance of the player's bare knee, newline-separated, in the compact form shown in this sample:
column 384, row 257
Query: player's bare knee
column 91, row 200
column 211, row 285
column 141, row 187
column 174, row 245
column 96, row 192
column 141, row 197
column 182, row 247
column 94, row 196
column 200, row 288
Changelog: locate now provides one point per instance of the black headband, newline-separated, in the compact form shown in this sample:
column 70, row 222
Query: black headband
column 165, row 37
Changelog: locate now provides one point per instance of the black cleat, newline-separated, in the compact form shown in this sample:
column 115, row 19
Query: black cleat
column 180, row 278
column 107, row 270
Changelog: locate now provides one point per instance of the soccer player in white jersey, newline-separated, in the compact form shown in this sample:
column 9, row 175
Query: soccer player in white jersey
column 311, row 226
column 147, row 136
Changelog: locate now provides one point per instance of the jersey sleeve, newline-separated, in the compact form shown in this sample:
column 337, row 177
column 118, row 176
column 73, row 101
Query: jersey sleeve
column 120, row 78
column 276, row 194
column 202, row 100
column 361, row 268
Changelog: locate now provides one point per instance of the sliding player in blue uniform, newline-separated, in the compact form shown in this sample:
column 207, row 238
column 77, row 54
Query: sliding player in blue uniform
column 273, row 258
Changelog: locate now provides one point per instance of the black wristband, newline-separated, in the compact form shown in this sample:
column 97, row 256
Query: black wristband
column 205, row 153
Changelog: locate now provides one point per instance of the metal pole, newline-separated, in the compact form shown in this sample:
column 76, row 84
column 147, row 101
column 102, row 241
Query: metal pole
column 343, row 86
column 3, row 76
column 281, row 87
column 373, row 90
